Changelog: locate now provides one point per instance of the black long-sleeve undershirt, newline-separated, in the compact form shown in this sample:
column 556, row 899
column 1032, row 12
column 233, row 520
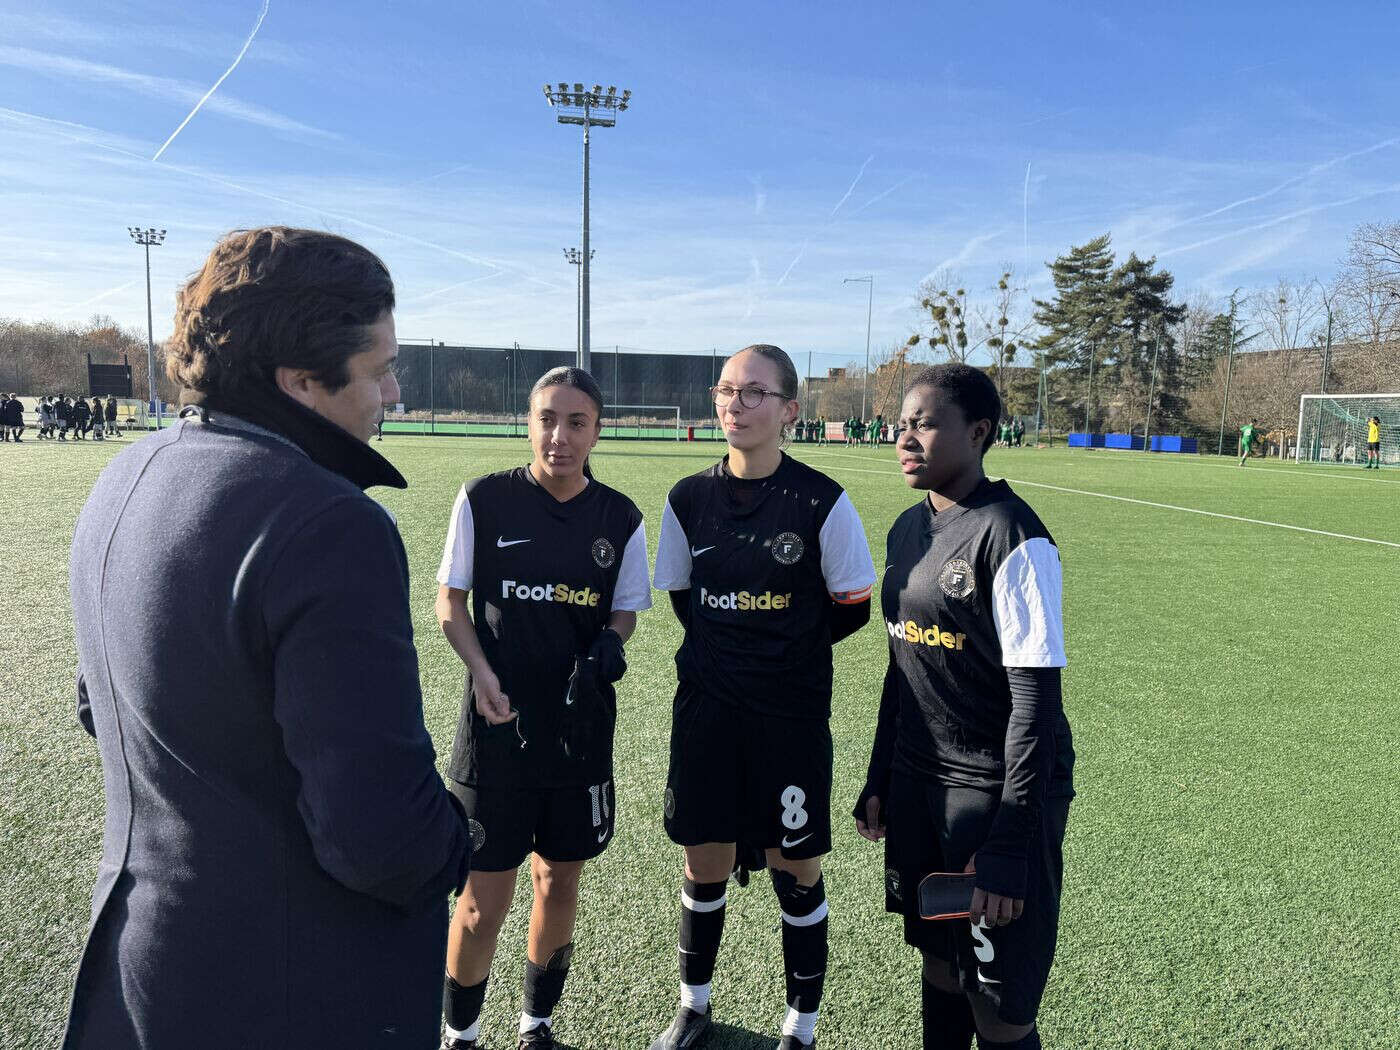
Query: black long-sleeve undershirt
column 1036, row 703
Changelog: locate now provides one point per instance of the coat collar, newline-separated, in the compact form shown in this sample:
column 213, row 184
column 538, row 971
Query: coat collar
column 323, row 442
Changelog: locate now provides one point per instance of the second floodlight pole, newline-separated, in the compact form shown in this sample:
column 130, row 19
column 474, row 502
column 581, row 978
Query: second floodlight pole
column 585, row 356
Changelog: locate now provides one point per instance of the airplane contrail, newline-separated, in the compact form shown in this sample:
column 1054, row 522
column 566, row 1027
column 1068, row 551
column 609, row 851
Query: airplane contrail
column 881, row 196
column 1025, row 221
column 1279, row 219
column 853, row 184
column 246, row 44
column 1314, row 170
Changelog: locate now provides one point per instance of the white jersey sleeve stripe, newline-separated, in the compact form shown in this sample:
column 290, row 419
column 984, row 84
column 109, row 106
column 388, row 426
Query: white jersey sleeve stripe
column 459, row 550
column 1026, row 605
column 847, row 567
column 672, row 554
column 633, row 591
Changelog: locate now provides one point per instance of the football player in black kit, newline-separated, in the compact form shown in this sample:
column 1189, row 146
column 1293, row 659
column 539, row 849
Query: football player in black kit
column 971, row 768
column 767, row 567
column 556, row 566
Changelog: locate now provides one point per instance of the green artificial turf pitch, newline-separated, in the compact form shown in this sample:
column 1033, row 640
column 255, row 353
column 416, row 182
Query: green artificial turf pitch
column 1231, row 864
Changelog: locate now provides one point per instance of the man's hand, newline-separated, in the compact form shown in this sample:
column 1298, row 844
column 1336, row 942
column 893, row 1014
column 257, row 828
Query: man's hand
column 991, row 909
column 869, row 818
column 492, row 704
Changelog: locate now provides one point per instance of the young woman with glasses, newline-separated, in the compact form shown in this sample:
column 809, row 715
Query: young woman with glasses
column 767, row 566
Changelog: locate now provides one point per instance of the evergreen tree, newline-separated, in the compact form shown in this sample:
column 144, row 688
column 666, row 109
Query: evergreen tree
column 1145, row 316
column 1081, row 321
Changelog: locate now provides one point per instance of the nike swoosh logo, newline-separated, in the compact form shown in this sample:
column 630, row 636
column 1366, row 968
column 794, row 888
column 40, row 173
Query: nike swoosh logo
column 602, row 834
column 501, row 541
column 695, row 553
column 794, row 842
column 984, row 979
column 807, row 976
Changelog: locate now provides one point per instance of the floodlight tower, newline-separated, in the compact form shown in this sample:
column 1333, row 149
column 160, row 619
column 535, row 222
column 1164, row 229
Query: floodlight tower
column 574, row 257
column 146, row 238
column 869, row 302
column 589, row 109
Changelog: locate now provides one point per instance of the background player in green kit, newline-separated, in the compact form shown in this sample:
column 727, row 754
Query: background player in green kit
column 555, row 563
column 971, row 769
column 1248, row 435
column 767, row 567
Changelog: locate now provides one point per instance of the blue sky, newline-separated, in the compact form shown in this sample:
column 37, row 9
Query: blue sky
column 772, row 149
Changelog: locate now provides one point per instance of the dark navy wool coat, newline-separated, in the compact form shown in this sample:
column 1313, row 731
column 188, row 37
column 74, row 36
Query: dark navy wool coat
column 279, row 848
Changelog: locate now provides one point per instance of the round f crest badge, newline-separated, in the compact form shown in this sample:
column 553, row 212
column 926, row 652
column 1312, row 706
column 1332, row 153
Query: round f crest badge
column 957, row 579
column 787, row 548
column 603, row 553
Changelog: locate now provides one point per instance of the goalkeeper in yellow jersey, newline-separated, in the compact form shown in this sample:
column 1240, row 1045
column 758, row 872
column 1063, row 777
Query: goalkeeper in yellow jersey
column 1373, row 443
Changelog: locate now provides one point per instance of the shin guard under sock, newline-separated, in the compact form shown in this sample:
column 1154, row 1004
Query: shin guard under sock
column 1029, row 1041
column 461, row 1007
column 544, row 985
column 702, row 926
column 804, row 950
column 947, row 1019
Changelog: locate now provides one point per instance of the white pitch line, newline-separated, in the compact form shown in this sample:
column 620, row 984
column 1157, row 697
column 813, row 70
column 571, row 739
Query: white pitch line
column 1160, row 506
column 1296, row 472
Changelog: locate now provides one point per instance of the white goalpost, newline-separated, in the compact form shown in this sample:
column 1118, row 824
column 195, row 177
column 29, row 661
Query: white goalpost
column 658, row 422
column 1332, row 427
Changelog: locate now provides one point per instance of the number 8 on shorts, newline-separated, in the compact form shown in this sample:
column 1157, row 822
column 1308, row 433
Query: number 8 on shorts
column 793, row 799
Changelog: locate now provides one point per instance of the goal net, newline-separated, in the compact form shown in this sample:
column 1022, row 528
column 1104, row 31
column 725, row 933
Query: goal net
column 657, row 422
column 1332, row 427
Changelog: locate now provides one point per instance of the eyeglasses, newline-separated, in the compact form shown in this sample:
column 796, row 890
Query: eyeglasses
column 749, row 396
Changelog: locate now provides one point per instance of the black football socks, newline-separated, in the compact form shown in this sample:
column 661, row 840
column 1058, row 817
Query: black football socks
column 461, row 1008
column 702, row 926
column 804, row 951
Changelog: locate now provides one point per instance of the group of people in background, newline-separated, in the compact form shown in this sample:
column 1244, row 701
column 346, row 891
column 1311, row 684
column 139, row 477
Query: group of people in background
column 11, row 417
column 1011, row 432
column 810, row 430
column 58, row 415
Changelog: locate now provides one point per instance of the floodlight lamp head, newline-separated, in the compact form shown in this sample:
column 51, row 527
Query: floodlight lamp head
column 597, row 89
column 626, row 95
column 612, row 90
column 578, row 89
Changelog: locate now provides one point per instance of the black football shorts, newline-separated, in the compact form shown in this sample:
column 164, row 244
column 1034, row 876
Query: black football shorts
column 570, row 823
column 933, row 827
column 739, row 776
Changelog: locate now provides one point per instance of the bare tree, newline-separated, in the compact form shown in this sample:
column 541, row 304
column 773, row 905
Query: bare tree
column 1368, row 301
column 944, row 313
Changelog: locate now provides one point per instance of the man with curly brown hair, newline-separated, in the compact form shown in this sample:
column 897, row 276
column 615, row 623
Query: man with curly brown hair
column 279, row 847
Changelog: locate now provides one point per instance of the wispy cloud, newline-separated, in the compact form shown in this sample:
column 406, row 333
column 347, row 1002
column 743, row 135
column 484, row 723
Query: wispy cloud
column 163, row 88
column 1049, row 116
column 103, row 295
column 440, row 175
column 232, row 66
column 760, row 195
column 968, row 251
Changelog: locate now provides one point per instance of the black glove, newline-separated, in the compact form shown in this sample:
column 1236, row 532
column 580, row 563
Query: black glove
column 585, row 727
column 866, row 793
column 747, row 860
column 607, row 656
